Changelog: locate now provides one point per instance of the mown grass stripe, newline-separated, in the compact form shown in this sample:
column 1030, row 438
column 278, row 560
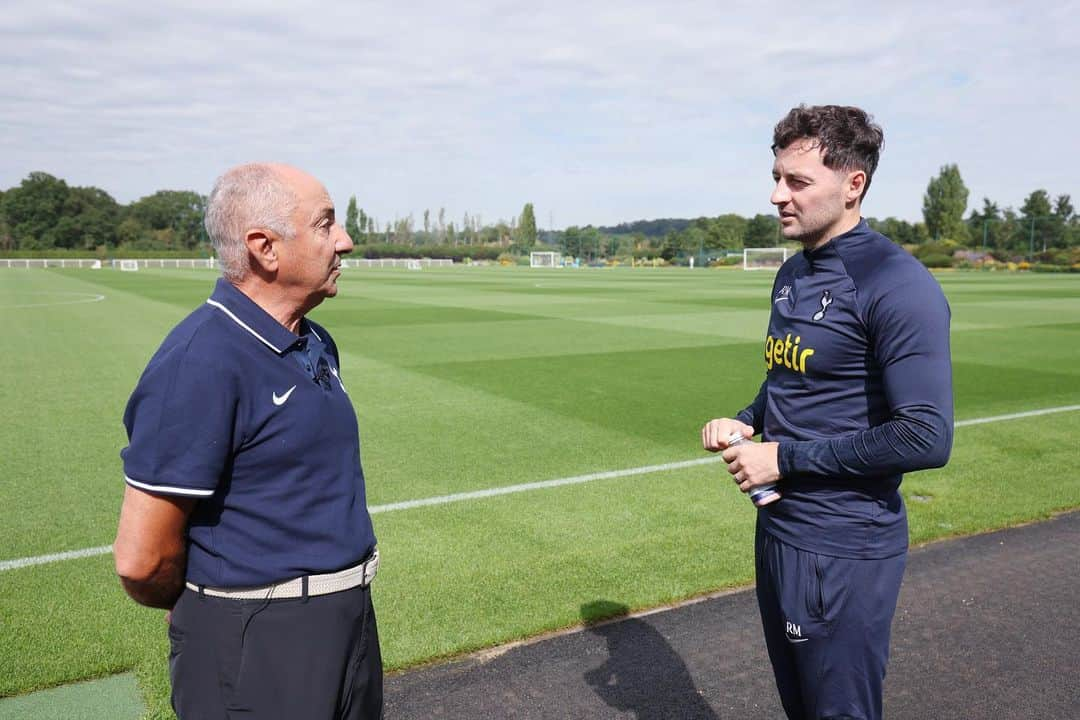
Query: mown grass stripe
column 524, row 487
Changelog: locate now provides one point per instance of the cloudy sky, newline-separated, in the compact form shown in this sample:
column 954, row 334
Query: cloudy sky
column 596, row 112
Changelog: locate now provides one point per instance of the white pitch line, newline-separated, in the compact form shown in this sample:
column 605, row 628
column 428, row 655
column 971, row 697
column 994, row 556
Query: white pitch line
column 525, row 487
column 55, row 557
column 1017, row 416
column 508, row 489
column 84, row 298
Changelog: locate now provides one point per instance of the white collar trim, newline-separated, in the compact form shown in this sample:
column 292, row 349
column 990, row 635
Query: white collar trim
column 242, row 324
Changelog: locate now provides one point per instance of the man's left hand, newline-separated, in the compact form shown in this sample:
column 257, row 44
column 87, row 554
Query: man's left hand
column 753, row 464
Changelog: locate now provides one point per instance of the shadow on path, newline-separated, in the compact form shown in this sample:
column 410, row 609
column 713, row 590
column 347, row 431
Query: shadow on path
column 642, row 673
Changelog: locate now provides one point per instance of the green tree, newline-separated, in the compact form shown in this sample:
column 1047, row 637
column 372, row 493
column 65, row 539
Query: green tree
column 1037, row 216
column 361, row 236
column 899, row 231
column 181, row 211
column 592, row 242
column 1063, row 211
column 7, row 242
column 696, row 240
column 33, row 208
column 572, row 241
column 352, row 217
column 526, row 235
column 762, row 231
column 985, row 226
column 130, row 233
column 90, row 217
column 726, row 232
column 944, row 205
column 1063, row 208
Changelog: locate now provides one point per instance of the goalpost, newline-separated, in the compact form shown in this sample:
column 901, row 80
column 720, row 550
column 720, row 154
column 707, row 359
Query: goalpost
column 764, row 258
column 129, row 265
column 545, row 259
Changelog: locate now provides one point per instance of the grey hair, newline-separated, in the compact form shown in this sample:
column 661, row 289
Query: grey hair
column 246, row 197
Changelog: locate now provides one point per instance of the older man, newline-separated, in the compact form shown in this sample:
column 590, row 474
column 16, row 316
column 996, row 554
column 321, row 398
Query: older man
column 244, row 511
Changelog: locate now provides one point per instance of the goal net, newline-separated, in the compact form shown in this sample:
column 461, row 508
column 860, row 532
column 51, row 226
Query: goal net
column 763, row 258
column 545, row 259
column 129, row 265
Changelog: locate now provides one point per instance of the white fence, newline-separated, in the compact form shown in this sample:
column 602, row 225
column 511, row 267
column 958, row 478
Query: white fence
column 395, row 262
column 49, row 262
column 192, row 263
column 205, row 263
column 188, row 263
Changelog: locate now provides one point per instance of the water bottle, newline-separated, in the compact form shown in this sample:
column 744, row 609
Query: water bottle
column 761, row 495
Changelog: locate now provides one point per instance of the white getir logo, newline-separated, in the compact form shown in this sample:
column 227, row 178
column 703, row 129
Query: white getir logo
column 280, row 399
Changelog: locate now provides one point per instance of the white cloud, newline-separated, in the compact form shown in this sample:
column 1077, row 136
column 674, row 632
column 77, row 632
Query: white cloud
column 595, row 112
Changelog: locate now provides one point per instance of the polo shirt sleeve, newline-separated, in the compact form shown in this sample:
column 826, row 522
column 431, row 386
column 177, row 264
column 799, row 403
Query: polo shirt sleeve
column 909, row 329
column 180, row 421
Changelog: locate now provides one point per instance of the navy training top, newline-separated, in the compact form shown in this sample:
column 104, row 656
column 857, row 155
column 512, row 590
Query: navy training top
column 252, row 420
column 858, row 390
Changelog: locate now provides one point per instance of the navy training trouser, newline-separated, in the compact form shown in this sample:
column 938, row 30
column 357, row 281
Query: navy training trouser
column 827, row 622
column 316, row 658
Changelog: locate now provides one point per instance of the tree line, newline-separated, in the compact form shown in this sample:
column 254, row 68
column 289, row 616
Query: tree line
column 43, row 213
column 518, row 235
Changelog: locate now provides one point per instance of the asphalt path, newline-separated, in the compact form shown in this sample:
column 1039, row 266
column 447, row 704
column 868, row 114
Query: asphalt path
column 986, row 627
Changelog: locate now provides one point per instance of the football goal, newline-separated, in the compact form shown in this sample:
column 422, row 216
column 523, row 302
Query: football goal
column 129, row 265
column 763, row 258
column 545, row 259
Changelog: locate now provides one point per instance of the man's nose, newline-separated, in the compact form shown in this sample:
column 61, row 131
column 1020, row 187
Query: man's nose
column 780, row 194
column 343, row 244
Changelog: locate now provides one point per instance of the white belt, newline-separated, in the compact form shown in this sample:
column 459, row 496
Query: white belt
column 360, row 575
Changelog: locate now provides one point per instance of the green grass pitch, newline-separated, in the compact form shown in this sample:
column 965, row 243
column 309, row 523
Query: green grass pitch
column 468, row 379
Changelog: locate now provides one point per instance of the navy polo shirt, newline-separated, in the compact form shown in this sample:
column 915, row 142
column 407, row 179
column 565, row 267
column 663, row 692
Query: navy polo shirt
column 231, row 411
column 858, row 390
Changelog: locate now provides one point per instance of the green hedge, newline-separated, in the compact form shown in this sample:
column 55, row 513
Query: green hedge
column 936, row 260
column 457, row 253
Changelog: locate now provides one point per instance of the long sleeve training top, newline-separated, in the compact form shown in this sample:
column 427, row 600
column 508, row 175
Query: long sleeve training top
column 858, row 391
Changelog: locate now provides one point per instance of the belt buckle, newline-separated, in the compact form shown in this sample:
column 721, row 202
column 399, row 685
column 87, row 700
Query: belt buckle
column 372, row 564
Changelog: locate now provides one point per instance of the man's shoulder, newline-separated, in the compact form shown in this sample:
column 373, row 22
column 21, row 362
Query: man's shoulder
column 201, row 336
column 876, row 264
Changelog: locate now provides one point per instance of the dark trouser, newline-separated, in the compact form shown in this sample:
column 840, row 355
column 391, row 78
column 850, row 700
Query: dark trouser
column 827, row 622
column 316, row 658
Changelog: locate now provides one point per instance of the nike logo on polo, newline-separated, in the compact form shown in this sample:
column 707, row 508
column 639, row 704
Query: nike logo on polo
column 280, row 399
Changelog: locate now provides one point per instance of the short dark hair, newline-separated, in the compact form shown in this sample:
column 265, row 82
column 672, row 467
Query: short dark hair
column 849, row 137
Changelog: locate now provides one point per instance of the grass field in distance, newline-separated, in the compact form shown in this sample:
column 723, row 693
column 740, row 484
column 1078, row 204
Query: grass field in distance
column 474, row 378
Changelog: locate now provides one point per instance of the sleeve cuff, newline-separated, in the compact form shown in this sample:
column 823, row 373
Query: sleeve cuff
column 168, row 489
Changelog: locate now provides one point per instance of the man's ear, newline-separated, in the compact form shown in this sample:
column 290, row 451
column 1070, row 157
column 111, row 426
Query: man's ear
column 262, row 248
column 854, row 186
